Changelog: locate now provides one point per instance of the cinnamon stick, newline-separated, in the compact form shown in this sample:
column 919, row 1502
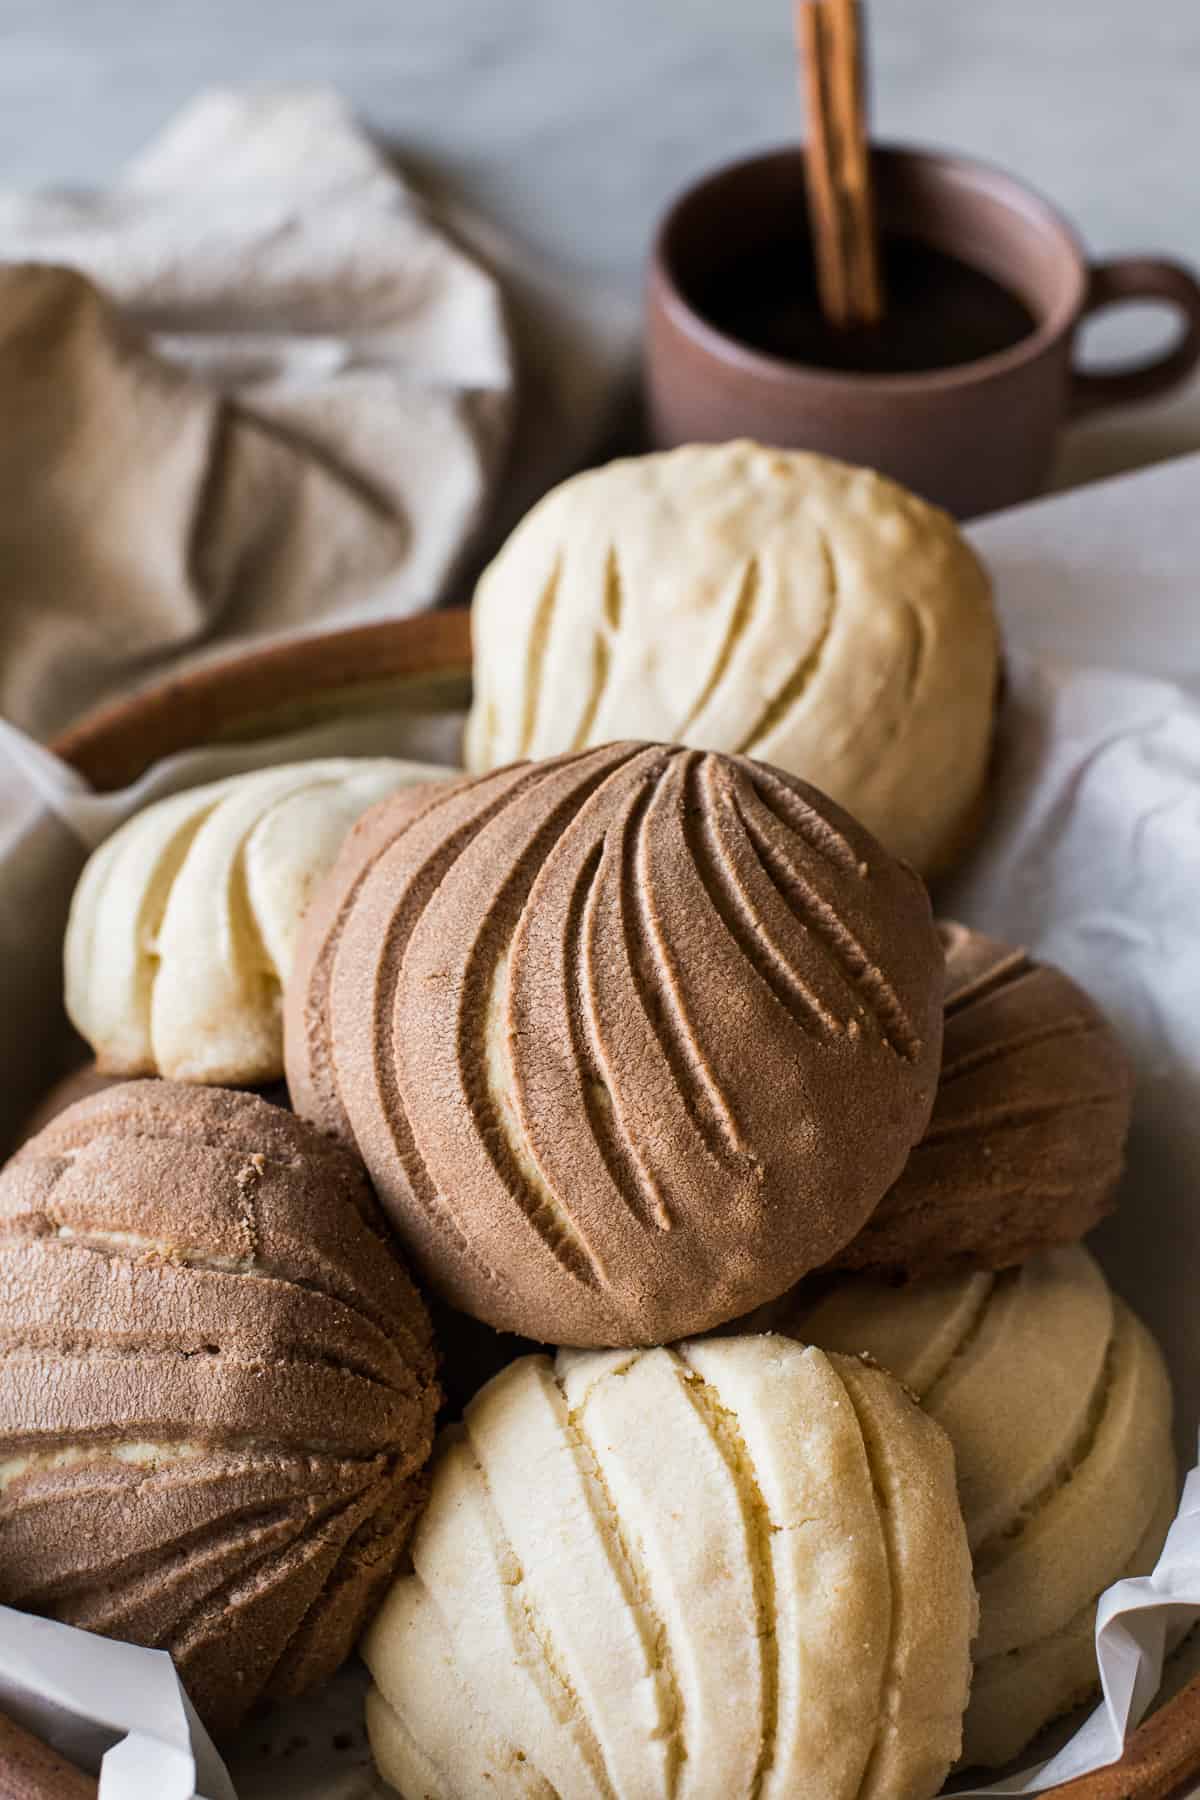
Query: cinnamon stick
column 820, row 166
column 838, row 163
column 849, row 110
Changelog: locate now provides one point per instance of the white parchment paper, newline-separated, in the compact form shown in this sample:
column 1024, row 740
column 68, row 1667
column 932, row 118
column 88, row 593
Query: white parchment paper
column 1091, row 858
column 112, row 1705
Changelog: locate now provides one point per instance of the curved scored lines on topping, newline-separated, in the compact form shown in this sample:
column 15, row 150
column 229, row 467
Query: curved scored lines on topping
column 198, row 1461
column 129, row 1247
column 386, row 1365
column 1071, row 1025
column 270, row 1533
column 265, row 1526
column 322, row 1068
column 725, row 1430
column 265, row 961
column 917, row 649
column 912, row 655
column 829, row 931
column 392, row 1109
column 76, row 1350
column 399, row 930
column 209, row 1616
column 250, row 1534
column 732, row 908
column 79, row 1345
column 535, row 655
column 612, row 606
column 639, row 1597
column 724, row 811
column 108, row 1116
column 244, row 920
column 658, row 991
column 737, row 625
column 384, row 1717
column 45, row 1475
column 887, row 1532
column 791, row 810
column 827, row 1019
column 614, row 593
column 1014, row 1114
column 600, row 664
column 399, row 1509
column 231, row 1537
column 1010, row 970
column 629, row 1175
column 801, row 678
column 155, row 899
column 536, row 1650
column 137, row 1250
column 994, row 1549
column 996, row 1285
column 496, row 1110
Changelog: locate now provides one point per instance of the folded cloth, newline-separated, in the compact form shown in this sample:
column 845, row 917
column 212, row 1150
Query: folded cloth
column 289, row 402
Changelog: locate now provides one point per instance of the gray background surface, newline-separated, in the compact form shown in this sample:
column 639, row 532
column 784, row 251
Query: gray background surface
column 571, row 121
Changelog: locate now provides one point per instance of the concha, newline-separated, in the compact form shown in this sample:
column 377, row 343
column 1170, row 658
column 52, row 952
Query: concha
column 768, row 603
column 217, row 1391
column 1027, row 1140
column 1058, row 1404
column 732, row 1570
column 184, row 921
column 628, row 1040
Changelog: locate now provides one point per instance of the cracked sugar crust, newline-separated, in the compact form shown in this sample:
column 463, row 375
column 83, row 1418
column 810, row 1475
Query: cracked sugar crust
column 1027, row 1140
column 217, row 1387
column 184, row 921
column 760, row 602
column 627, row 1040
column 738, row 1568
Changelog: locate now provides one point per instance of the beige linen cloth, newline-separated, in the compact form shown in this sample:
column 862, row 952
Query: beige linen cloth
column 254, row 387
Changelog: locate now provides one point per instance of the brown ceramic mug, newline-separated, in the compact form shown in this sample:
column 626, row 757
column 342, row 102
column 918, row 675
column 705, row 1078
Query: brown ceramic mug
column 974, row 436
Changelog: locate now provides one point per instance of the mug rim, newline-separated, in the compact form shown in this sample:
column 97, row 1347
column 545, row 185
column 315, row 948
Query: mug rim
column 972, row 172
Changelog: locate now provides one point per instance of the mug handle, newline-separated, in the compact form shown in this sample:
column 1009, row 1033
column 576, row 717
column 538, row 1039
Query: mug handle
column 1139, row 278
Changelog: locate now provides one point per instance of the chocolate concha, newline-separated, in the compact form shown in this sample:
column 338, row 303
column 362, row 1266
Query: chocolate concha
column 183, row 922
column 82, row 1082
column 217, row 1392
column 1058, row 1404
column 1026, row 1144
column 628, row 1040
column 79, row 1084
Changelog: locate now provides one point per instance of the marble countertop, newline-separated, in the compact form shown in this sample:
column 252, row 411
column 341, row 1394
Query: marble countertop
column 571, row 122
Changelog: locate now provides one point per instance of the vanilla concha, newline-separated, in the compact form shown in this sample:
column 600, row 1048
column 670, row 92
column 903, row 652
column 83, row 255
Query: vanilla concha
column 1058, row 1404
column 771, row 603
column 729, row 1569
column 184, row 921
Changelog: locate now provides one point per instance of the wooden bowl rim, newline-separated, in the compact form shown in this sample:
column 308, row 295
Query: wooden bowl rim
column 112, row 745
